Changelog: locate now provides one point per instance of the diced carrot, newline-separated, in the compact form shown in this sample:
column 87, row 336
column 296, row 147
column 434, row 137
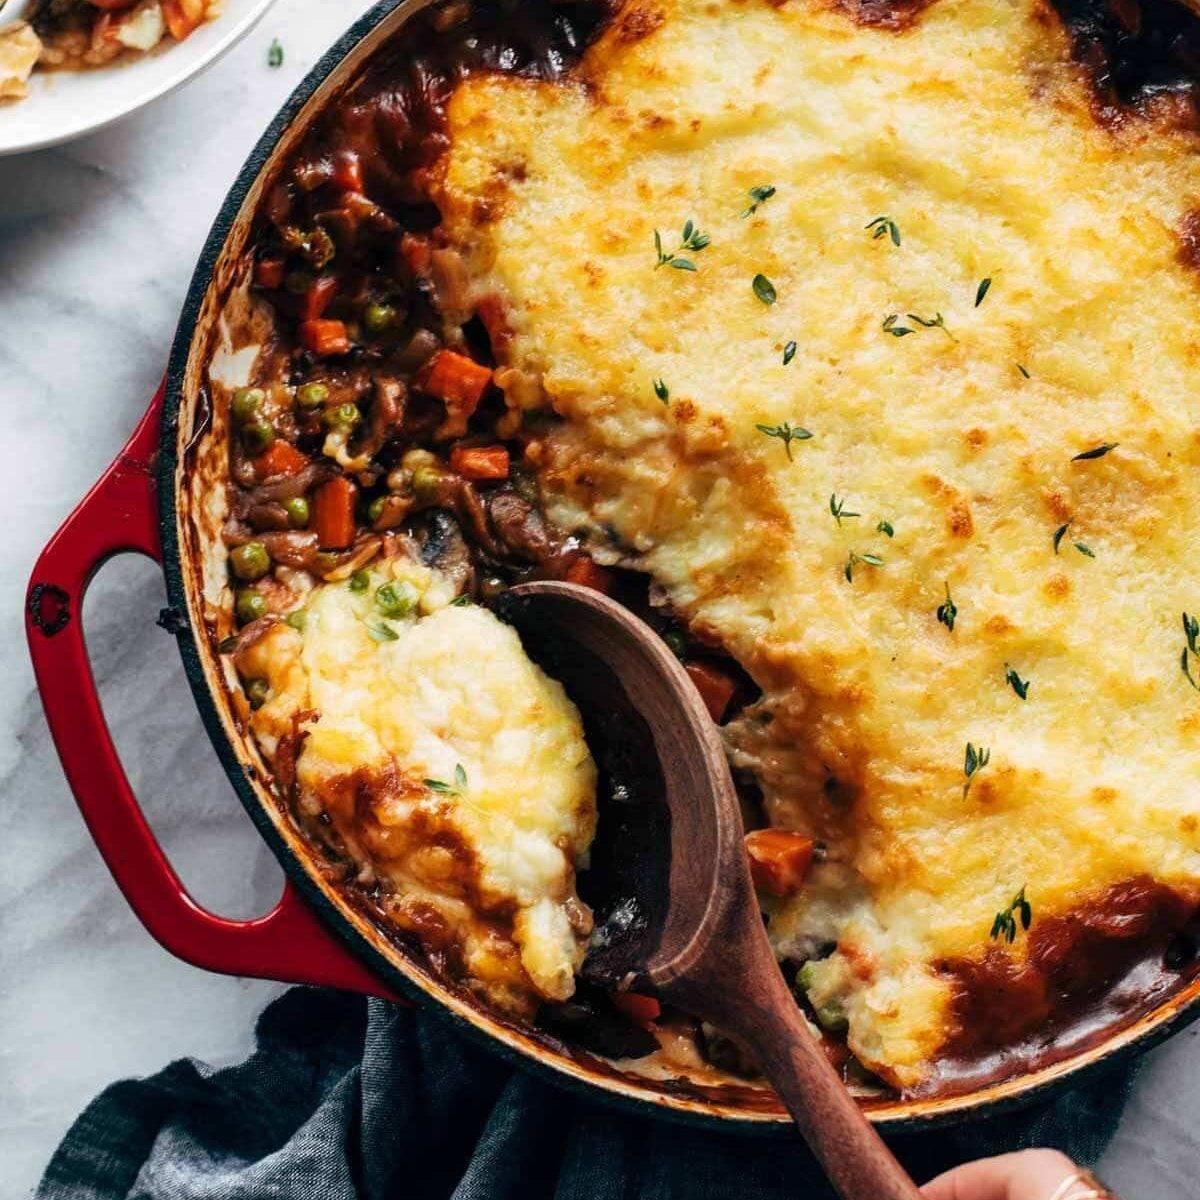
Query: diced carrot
column 480, row 462
column 268, row 272
column 282, row 459
column 638, row 1008
column 779, row 860
column 457, row 380
column 587, row 572
column 180, row 21
column 317, row 299
column 324, row 337
column 416, row 252
column 333, row 513
column 347, row 171
column 494, row 315
column 716, row 687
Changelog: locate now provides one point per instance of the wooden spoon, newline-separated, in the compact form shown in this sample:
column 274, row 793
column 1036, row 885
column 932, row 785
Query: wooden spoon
column 688, row 927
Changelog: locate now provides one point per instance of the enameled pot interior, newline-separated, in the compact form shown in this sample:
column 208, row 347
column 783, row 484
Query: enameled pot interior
column 192, row 468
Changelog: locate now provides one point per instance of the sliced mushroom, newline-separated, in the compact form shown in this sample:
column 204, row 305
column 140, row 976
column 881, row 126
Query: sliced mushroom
column 442, row 546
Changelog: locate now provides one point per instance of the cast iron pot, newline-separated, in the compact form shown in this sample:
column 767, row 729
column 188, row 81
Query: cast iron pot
column 161, row 497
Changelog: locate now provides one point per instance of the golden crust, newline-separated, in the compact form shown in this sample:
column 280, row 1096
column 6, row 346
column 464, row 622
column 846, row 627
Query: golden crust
column 980, row 140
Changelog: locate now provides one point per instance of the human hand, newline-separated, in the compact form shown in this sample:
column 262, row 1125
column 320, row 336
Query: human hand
column 1026, row 1175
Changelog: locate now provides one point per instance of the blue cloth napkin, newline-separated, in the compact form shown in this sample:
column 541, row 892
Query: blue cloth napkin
column 345, row 1099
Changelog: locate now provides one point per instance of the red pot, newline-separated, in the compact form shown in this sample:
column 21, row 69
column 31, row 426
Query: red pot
column 150, row 501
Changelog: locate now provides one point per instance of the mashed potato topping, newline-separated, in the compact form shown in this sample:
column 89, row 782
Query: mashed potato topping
column 453, row 771
column 937, row 490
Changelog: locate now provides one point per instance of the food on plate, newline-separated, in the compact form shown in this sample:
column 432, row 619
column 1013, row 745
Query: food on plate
column 852, row 345
column 75, row 34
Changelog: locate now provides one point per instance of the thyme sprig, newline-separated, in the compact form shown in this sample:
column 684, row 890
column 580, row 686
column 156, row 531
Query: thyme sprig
column 855, row 559
column 450, row 789
column 1005, row 924
column 974, row 760
column 1082, row 547
column 891, row 324
column 692, row 240
column 1191, row 631
column 1018, row 685
column 787, row 433
column 838, row 509
column 884, row 227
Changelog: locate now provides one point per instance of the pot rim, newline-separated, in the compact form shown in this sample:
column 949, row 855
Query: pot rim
column 646, row 1097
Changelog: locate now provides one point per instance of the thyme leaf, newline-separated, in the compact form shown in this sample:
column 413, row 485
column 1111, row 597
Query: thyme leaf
column 760, row 195
column 275, row 54
column 789, row 352
column 947, row 611
column 662, row 391
column 1024, row 371
column 886, row 527
column 764, row 289
column 982, row 290
column 1095, row 452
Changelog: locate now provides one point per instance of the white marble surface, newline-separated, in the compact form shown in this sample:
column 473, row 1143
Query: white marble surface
column 97, row 242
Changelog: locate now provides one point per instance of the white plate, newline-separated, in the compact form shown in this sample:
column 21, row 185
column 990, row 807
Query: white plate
column 62, row 105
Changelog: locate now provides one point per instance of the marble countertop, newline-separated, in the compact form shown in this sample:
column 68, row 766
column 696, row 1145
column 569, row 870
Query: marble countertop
column 97, row 243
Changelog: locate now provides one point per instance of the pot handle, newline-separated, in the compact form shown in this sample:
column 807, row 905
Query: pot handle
column 118, row 516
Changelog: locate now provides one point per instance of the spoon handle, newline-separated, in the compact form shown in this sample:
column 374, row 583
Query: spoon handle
column 854, row 1156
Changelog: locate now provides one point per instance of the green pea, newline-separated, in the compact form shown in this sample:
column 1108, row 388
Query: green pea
column 297, row 620
column 359, row 581
column 297, row 511
column 375, row 509
column 311, row 395
column 426, row 483
column 344, row 416
column 831, row 1018
column 676, row 642
column 257, row 691
column 250, row 562
column 258, row 436
column 246, row 403
column 250, row 606
column 378, row 317
column 396, row 599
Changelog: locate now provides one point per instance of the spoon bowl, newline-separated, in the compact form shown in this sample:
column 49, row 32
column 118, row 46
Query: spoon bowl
column 684, row 924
